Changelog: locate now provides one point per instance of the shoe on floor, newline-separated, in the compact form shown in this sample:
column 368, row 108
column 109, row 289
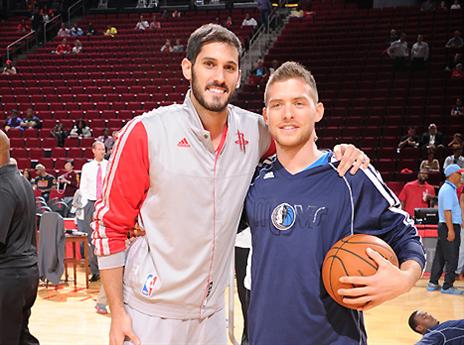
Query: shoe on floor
column 94, row 278
column 433, row 287
column 452, row 291
column 101, row 309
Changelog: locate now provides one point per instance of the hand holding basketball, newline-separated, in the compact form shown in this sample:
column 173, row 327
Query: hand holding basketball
column 387, row 283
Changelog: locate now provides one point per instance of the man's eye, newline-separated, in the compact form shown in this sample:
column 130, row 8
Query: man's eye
column 276, row 106
column 230, row 68
column 208, row 64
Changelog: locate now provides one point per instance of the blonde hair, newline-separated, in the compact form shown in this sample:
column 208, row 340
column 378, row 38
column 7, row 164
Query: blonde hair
column 292, row 70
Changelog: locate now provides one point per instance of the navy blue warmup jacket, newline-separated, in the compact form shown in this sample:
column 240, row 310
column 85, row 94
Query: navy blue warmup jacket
column 295, row 220
column 447, row 333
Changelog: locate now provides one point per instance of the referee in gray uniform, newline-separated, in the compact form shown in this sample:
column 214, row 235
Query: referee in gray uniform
column 19, row 274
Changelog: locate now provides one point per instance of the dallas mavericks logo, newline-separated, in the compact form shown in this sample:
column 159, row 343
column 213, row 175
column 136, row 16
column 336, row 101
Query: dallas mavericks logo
column 283, row 217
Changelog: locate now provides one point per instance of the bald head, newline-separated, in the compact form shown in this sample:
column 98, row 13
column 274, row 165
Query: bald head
column 4, row 149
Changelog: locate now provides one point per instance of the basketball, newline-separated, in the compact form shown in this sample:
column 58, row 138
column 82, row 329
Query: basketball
column 348, row 257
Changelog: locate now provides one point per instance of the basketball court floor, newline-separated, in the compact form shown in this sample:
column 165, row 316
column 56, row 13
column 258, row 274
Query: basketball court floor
column 67, row 315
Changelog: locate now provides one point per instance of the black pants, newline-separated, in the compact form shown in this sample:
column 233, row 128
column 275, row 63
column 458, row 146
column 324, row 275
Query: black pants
column 18, row 291
column 241, row 256
column 84, row 225
column 446, row 253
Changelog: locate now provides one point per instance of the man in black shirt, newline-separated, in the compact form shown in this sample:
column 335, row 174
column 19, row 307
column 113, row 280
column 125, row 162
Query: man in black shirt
column 19, row 275
column 44, row 181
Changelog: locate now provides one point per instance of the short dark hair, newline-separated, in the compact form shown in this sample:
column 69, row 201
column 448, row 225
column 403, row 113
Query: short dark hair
column 210, row 33
column 413, row 322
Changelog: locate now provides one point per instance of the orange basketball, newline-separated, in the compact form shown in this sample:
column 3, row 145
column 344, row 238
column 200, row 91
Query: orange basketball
column 348, row 257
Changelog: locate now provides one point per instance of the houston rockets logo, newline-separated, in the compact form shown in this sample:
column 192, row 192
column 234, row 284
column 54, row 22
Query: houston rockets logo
column 241, row 141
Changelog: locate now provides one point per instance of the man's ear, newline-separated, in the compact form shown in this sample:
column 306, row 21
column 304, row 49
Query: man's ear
column 186, row 69
column 266, row 118
column 319, row 111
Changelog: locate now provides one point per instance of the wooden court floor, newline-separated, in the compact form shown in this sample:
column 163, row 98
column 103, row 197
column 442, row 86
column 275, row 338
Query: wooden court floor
column 66, row 316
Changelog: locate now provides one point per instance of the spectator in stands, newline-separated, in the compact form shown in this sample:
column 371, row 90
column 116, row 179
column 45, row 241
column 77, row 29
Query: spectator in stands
column 23, row 27
column 274, row 65
column 427, row 6
column 27, row 175
column 59, row 133
column 111, row 31
column 455, row 42
column 442, row 6
column 13, row 121
column 31, row 120
column 456, row 5
column 417, row 194
column 431, row 163
column 249, row 21
column 455, row 158
column 409, row 140
column 228, row 23
column 432, row 138
column 399, row 51
column 178, row 47
column 77, row 47
column 394, row 36
column 436, row 332
column 457, row 142
column 419, row 52
column 90, row 30
column 68, row 183
column 264, row 7
column 63, row 31
column 76, row 31
column 154, row 24
column 142, row 24
column 457, row 59
column 81, row 129
column 457, row 109
column 44, row 182
column 106, row 139
column 457, row 72
column 167, row 47
column 45, row 16
column 260, row 73
column 9, row 68
column 63, row 48
column 175, row 14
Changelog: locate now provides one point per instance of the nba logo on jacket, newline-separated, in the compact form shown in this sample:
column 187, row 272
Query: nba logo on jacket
column 149, row 285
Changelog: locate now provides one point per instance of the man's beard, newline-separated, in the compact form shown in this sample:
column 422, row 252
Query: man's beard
column 211, row 106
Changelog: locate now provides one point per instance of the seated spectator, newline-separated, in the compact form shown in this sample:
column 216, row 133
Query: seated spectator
column 249, row 21
column 455, row 158
column 63, row 48
column 409, row 140
column 228, row 23
column 59, row 133
column 457, row 109
column 154, row 24
column 142, row 24
column 80, row 129
column 457, row 142
column 427, row 6
column 90, row 30
column 457, row 59
column 9, row 69
column 394, row 36
column 27, row 175
column 44, row 182
column 456, row 5
column 110, row 31
column 13, row 121
column 455, row 42
column 442, row 6
column 432, row 138
column 175, row 14
column 416, row 194
column 457, row 72
column 76, row 31
column 31, row 120
column 63, row 31
column 23, row 27
column 419, row 52
column 178, row 47
column 77, row 47
column 68, row 183
column 399, row 51
column 436, row 332
column 107, row 139
column 259, row 74
column 274, row 65
column 166, row 48
column 431, row 163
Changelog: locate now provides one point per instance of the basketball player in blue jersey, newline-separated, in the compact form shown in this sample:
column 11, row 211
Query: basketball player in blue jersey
column 297, row 208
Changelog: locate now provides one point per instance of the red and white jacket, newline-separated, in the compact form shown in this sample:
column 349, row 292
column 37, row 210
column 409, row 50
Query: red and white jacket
column 165, row 174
